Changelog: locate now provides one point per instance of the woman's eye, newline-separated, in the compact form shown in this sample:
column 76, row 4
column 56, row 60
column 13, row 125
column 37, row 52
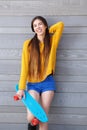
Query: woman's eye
column 40, row 23
column 35, row 26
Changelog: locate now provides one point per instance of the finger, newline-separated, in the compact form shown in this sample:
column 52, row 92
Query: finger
column 20, row 97
column 24, row 96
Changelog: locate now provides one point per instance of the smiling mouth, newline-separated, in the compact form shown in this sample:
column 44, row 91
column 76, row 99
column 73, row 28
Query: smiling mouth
column 39, row 31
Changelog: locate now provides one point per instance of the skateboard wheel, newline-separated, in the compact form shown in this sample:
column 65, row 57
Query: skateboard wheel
column 16, row 97
column 35, row 121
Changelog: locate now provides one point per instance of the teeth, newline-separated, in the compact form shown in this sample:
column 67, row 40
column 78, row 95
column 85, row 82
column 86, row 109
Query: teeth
column 39, row 30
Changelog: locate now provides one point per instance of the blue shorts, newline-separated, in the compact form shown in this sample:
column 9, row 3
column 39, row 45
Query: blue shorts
column 47, row 85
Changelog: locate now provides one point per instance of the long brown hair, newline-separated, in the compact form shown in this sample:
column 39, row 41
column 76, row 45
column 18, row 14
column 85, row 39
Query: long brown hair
column 35, row 56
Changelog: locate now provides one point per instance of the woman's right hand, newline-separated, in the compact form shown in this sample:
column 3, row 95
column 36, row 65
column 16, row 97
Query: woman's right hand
column 20, row 94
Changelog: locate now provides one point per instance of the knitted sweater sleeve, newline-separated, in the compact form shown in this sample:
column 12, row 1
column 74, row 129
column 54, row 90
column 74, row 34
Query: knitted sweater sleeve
column 56, row 31
column 24, row 66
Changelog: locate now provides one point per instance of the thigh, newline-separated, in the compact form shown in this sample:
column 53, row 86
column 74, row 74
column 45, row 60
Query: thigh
column 36, row 96
column 46, row 99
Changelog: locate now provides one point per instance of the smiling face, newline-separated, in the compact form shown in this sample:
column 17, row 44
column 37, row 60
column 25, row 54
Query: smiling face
column 39, row 27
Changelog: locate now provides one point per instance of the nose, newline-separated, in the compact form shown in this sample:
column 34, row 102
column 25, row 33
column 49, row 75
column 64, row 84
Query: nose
column 38, row 26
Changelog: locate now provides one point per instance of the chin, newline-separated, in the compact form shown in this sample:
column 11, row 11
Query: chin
column 39, row 34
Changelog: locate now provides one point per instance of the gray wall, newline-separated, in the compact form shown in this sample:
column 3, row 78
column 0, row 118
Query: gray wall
column 69, row 108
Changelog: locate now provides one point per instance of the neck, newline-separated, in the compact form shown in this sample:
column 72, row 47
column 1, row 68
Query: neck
column 41, row 38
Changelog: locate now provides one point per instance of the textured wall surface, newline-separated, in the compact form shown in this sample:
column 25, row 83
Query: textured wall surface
column 69, row 108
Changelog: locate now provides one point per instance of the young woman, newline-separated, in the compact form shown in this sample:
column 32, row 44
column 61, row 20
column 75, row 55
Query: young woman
column 38, row 65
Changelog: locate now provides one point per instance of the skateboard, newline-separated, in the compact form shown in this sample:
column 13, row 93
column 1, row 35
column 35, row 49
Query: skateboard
column 33, row 106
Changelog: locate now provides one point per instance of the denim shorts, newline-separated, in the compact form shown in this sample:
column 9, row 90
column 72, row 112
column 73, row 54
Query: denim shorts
column 47, row 85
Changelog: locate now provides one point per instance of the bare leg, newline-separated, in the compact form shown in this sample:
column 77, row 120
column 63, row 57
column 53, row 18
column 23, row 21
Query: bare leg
column 36, row 96
column 46, row 99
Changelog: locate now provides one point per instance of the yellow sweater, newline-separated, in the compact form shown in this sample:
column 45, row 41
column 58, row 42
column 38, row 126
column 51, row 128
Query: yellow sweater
column 56, row 31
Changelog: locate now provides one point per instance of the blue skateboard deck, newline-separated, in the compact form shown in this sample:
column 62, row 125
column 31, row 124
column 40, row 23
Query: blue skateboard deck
column 33, row 106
